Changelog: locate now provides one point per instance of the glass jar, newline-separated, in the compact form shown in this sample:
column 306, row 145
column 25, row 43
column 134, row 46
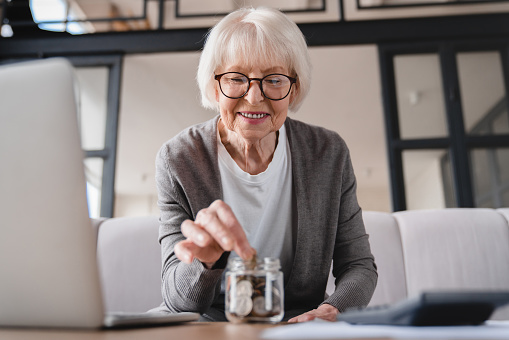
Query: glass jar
column 254, row 290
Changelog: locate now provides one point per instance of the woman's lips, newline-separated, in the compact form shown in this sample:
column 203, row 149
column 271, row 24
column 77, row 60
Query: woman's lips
column 253, row 115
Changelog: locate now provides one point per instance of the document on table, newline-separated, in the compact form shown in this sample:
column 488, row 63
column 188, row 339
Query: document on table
column 319, row 329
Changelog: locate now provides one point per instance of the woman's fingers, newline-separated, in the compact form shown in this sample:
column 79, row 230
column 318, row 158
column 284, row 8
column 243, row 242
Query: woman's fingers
column 325, row 312
column 233, row 231
column 196, row 233
column 183, row 251
column 215, row 230
column 211, row 223
column 187, row 251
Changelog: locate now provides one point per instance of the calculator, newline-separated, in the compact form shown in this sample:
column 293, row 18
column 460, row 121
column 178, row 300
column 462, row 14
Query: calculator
column 442, row 308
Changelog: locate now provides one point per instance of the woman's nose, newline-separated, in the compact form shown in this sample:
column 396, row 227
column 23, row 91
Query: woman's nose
column 254, row 94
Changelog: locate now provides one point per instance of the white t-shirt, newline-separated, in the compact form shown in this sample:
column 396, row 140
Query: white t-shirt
column 262, row 203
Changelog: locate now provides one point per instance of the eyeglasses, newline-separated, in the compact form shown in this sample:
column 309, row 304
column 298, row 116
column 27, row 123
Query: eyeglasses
column 235, row 85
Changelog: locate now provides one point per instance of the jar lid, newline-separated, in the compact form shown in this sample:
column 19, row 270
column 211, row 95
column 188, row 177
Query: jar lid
column 267, row 263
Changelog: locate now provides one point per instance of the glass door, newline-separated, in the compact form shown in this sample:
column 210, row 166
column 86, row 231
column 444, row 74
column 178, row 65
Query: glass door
column 447, row 124
column 484, row 103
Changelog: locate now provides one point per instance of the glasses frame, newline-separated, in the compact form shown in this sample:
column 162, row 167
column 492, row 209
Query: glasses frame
column 292, row 81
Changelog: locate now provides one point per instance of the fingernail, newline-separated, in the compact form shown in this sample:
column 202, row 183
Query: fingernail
column 249, row 254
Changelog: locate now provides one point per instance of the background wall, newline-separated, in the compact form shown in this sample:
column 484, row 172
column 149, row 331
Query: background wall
column 160, row 98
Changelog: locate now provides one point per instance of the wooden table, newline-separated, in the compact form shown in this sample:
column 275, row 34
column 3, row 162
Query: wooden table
column 186, row 331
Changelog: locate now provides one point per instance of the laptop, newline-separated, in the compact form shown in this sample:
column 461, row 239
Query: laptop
column 49, row 275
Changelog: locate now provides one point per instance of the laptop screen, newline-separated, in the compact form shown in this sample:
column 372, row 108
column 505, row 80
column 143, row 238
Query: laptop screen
column 47, row 246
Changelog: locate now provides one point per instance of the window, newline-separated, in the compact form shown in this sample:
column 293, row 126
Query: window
column 99, row 83
column 447, row 123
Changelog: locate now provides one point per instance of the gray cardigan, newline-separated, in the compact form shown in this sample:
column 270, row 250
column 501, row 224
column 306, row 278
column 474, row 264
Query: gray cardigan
column 328, row 220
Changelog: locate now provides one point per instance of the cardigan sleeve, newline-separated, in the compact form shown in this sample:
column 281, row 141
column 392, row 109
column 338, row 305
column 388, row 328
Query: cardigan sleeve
column 353, row 263
column 330, row 229
column 185, row 287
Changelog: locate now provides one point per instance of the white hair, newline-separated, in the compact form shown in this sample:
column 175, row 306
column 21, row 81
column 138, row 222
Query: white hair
column 253, row 36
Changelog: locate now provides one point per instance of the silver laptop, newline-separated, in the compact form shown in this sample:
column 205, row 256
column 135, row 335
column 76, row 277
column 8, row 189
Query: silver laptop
column 48, row 270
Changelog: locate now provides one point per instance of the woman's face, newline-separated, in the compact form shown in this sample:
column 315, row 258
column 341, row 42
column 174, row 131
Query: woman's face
column 253, row 116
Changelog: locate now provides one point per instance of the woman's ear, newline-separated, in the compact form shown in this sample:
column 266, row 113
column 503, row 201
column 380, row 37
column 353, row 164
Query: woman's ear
column 294, row 92
column 216, row 91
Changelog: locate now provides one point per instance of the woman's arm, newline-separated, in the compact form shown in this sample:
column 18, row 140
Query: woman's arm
column 185, row 287
column 194, row 252
column 353, row 263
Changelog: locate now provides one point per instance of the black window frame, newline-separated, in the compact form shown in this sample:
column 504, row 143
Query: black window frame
column 109, row 153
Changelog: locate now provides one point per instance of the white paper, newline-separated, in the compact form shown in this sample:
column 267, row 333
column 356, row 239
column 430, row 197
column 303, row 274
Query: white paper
column 319, row 329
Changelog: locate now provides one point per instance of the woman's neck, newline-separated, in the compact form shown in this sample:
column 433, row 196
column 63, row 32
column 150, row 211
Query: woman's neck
column 252, row 157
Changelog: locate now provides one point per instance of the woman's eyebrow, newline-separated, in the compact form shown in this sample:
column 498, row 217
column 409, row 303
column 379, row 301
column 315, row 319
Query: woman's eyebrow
column 244, row 70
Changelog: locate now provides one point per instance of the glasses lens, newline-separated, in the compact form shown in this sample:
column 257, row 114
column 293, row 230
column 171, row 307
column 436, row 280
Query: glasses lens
column 234, row 84
column 276, row 86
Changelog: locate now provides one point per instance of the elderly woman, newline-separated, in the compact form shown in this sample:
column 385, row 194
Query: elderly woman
column 252, row 180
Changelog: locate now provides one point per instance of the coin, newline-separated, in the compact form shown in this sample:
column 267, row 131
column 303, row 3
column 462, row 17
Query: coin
column 259, row 306
column 244, row 288
column 244, row 306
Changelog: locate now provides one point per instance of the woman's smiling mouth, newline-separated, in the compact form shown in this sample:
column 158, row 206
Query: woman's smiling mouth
column 253, row 115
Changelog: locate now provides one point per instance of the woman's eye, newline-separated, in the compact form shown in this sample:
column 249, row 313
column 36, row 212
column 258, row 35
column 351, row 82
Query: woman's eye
column 273, row 81
column 237, row 80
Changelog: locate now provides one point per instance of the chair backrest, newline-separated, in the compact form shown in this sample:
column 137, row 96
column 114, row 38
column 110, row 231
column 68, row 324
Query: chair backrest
column 414, row 251
column 129, row 259
column 504, row 212
column 385, row 242
column 455, row 249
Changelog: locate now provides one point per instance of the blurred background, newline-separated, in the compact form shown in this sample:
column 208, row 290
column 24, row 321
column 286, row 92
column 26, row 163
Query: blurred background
column 416, row 88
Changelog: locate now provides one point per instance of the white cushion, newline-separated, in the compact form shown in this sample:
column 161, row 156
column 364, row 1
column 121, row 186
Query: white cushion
column 504, row 212
column 385, row 245
column 130, row 263
column 454, row 248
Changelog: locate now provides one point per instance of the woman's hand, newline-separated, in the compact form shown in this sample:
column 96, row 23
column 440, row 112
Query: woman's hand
column 326, row 312
column 215, row 230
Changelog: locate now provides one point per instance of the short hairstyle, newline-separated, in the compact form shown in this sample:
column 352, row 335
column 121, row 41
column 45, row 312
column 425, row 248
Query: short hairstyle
column 252, row 36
